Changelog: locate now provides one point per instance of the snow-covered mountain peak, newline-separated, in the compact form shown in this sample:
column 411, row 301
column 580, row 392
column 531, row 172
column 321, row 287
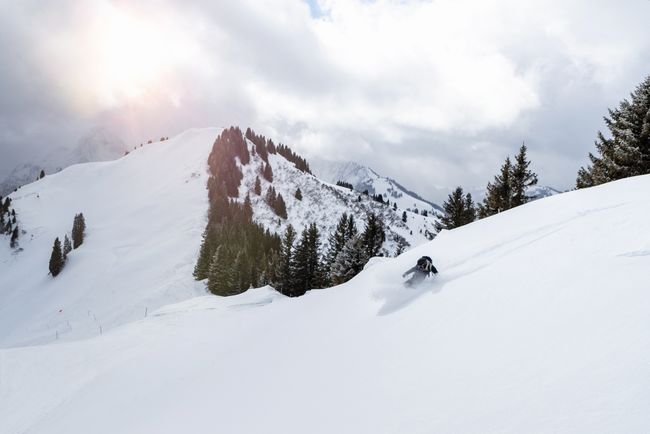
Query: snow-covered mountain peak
column 364, row 178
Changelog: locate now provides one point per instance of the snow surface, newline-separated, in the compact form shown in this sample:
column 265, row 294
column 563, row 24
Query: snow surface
column 538, row 322
column 144, row 215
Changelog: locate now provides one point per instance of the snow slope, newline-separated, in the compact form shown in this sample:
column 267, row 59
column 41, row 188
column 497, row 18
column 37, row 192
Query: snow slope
column 144, row 215
column 538, row 322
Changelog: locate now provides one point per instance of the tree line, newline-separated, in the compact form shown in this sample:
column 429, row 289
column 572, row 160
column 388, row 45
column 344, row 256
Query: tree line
column 506, row 191
column 623, row 152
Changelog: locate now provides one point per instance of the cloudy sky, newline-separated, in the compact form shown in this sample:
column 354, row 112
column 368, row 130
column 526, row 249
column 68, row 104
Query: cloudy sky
column 429, row 92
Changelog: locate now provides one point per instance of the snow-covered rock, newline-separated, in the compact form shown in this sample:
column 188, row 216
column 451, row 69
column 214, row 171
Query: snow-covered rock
column 538, row 322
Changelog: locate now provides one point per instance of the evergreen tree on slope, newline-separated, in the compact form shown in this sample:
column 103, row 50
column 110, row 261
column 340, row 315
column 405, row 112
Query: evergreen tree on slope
column 56, row 258
column 373, row 235
column 78, row 230
column 285, row 269
column 522, row 178
column 221, row 278
column 627, row 152
column 350, row 261
column 459, row 210
column 306, row 262
column 67, row 248
column 498, row 197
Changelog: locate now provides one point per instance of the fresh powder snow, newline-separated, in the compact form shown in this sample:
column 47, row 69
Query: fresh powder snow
column 537, row 322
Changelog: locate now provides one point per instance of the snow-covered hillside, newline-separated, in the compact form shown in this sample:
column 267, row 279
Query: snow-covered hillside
column 324, row 203
column 538, row 322
column 144, row 212
column 364, row 178
column 97, row 145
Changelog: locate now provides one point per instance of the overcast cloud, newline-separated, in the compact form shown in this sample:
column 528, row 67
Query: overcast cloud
column 428, row 92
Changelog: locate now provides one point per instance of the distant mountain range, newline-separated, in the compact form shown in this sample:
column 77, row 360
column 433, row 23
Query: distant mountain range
column 98, row 145
column 364, row 178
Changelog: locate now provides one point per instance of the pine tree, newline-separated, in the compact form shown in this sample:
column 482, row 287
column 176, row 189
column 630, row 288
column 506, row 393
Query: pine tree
column 470, row 209
column 67, row 248
column 351, row 228
column 14, row 238
column 280, row 207
column 56, row 258
column 627, row 151
column 306, row 267
column 248, row 208
column 498, row 197
column 202, row 267
column 271, row 270
column 285, row 270
column 404, row 218
column 522, row 178
column 271, row 197
column 298, row 194
column 258, row 186
column 267, row 172
column 373, row 235
column 337, row 240
column 270, row 146
column 42, row 174
column 78, row 230
column 241, row 273
column 349, row 262
column 221, row 276
column 459, row 210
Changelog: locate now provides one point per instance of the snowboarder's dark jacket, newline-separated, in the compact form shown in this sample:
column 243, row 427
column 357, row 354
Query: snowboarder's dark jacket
column 424, row 266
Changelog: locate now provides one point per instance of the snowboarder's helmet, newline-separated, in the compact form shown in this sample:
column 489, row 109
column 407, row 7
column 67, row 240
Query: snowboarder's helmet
column 424, row 263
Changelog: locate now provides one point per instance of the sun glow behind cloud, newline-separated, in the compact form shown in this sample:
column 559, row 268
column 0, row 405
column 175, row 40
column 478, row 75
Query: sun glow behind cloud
column 117, row 56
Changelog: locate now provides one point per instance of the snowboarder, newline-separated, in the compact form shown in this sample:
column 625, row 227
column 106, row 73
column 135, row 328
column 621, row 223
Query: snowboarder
column 421, row 270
